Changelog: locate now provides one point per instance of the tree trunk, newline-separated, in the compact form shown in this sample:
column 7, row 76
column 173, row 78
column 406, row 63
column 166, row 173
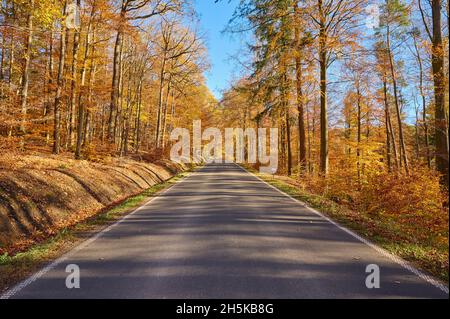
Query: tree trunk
column 300, row 97
column 115, row 77
column 26, row 68
column 441, row 129
column 138, row 117
column 166, row 107
column 117, row 133
column 73, row 82
column 387, row 128
column 424, row 105
column 80, row 124
column 11, row 60
column 49, row 84
column 160, row 102
column 301, row 117
column 59, row 85
column 358, row 134
column 389, row 131
column 127, row 115
column 323, row 117
column 310, row 165
column 87, row 136
column 2, row 59
column 416, row 132
column 323, row 94
column 288, row 141
column 403, row 154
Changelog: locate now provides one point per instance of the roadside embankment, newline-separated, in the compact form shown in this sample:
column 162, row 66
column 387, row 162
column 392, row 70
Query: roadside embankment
column 41, row 194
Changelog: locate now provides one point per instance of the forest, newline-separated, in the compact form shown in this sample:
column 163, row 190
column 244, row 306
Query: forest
column 110, row 81
column 359, row 91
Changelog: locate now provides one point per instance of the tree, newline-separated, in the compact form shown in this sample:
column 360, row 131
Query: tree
column 59, row 86
column 87, row 52
column 394, row 20
column 301, row 39
column 334, row 21
column 437, row 59
column 273, row 24
column 132, row 10
column 415, row 33
column 26, row 65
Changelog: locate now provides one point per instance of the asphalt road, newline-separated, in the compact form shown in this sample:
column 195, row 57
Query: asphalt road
column 222, row 233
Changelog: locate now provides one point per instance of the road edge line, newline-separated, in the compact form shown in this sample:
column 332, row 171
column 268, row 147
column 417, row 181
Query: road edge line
column 400, row 261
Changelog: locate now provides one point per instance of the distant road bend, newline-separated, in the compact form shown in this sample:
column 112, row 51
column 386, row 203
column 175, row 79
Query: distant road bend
column 223, row 233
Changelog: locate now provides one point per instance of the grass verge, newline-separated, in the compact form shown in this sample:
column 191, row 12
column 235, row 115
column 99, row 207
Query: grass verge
column 430, row 258
column 15, row 268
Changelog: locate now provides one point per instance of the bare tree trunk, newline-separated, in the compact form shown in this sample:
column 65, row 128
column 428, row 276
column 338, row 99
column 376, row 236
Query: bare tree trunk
column 160, row 102
column 288, row 141
column 138, row 117
column 172, row 110
column 358, row 134
column 49, row 83
column 80, row 125
column 115, row 77
column 424, row 105
column 323, row 118
column 87, row 136
column 166, row 107
column 2, row 60
column 64, row 113
column 126, row 117
column 59, row 84
column 314, row 134
column 416, row 131
column 285, row 97
column 389, row 125
column 11, row 59
column 403, row 154
column 26, row 68
column 388, row 140
column 73, row 82
column 301, row 118
column 310, row 165
column 300, row 97
column 282, row 140
column 441, row 125
column 117, row 136
column 323, row 94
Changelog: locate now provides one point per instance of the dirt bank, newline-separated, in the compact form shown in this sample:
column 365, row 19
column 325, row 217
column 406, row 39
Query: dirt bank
column 41, row 194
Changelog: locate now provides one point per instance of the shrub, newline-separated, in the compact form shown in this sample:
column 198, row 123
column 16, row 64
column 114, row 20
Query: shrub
column 415, row 200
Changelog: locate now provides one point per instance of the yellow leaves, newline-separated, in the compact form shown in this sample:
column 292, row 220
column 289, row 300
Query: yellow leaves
column 47, row 15
column 45, row 12
column 415, row 200
column 413, row 208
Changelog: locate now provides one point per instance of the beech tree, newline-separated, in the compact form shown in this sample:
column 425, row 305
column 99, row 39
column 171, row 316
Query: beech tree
column 440, row 84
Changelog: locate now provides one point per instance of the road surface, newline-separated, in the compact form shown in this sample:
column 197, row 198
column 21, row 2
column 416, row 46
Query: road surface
column 223, row 233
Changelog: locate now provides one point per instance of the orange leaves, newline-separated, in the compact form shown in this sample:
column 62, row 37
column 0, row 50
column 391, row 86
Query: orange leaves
column 414, row 201
column 413, row 206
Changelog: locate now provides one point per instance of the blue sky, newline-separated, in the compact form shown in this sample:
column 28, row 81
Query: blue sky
column 214, row 18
